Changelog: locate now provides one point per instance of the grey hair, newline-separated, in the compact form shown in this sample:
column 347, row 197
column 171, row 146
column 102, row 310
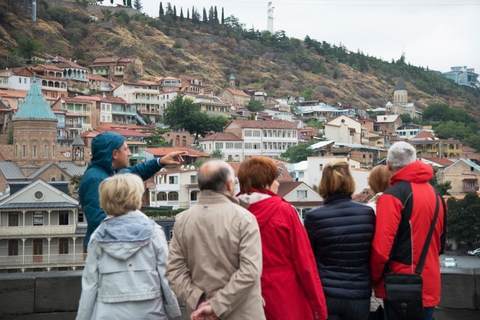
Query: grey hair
column 401, row 154
column 214, row 175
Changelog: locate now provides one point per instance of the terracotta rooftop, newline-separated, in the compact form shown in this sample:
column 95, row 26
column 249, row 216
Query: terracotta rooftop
column 237, row 92
column 364, row 196
column 425, row 135
column 221, row 136
column 97, row 77
column 441, row 161
column 286, row 187
column 164, row 151
column 267, row 124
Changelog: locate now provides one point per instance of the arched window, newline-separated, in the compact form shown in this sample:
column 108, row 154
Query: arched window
column 173, row 196
column 53, row 178
column 161, row 196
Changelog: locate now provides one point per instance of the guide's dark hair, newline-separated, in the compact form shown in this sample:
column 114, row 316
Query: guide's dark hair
column 216, row 179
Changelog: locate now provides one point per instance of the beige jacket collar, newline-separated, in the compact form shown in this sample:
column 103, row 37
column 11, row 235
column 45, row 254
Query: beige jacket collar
column 215, row 197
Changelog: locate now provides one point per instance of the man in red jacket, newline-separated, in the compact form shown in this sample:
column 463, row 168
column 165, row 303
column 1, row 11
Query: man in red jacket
column 411, row 199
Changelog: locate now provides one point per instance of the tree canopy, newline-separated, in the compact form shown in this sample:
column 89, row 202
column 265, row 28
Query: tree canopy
column 298, row 153
column 255, row 105
column 464, row 218
column 185, row 114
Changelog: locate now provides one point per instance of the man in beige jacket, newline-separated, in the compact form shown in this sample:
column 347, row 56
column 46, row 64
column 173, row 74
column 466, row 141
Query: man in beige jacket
column 215, row 260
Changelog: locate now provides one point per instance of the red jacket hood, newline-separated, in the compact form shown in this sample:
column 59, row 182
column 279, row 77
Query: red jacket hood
column 417, row 172
column 263, row 210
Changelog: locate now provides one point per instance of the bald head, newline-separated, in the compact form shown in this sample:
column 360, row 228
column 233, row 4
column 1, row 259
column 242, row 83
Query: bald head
column 215, row 175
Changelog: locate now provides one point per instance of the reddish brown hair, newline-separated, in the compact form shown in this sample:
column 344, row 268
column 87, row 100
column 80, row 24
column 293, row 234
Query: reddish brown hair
column 379, row 179
column 257, row 173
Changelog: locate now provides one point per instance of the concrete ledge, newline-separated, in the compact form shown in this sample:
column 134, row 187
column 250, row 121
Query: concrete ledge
column 58, row 291
column 17, row 293
column 55, row 295
column 459, row 289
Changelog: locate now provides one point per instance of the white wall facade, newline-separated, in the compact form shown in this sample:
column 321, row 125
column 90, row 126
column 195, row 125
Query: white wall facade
column 316, row 165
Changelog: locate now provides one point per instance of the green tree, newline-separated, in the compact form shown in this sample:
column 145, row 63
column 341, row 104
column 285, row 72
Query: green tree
column 436, row 112
column 160, row 10
column 255, row 105
column 138, row 5
column 406, row 118
column 223, row 16
column 205, row 17
column 298, row 153
column 307, row 94
column 75, row 181
column 26, row 46
column 464, row 218
column 184, row 114
column 217, row 154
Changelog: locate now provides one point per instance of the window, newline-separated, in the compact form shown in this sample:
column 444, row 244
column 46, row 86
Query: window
column 193, row 179
column 321, row 167
column 248, row 133
column 194, row 196
column 280, row 172
column 248, row 146
column 229, row 145
column 12, row 219
column 45, row 150
column 301, row 194
column 38, row 218
column 256, row 133
column 256, row 146
column 238, row 145
column 13, row 247
column 161, row 196
column 173, row 196
column 63, row 246
column 24, row 151
column 63, row 218
column 34, row 150
column 173, row 180
column 301, row 174
column 218, row 145
column 80, row 217
column 53, row 151
column 20, row 80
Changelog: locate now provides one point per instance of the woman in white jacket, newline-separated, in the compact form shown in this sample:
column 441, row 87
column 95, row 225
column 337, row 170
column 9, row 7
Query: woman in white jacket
column 124, row 276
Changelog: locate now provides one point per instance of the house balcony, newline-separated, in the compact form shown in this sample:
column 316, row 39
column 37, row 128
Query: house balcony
column 60, row 125
column 73, row 126
column 37, row 230
column 467, row 190
column 61, row 137
column 150, row 111
column 44, row 260
column 119, row 72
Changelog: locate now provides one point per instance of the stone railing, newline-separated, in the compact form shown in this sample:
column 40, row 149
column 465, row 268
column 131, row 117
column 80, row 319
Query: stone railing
column 55, row 295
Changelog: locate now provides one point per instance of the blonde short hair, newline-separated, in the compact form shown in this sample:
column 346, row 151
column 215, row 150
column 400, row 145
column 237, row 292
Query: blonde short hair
column 336, row 179
column 121, row 193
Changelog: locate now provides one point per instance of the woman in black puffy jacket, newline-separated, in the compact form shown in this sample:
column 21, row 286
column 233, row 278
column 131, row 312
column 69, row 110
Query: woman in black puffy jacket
column 341, row 234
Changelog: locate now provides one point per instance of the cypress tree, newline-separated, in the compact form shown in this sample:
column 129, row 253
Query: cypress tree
column 223, row 17
column 160, row 11
column 181, row 14
column 205, row 18
column 215, row 14
column 188, row 14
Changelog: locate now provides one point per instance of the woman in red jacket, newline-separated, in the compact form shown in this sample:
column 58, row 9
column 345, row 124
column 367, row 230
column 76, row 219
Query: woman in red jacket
column 291, row 286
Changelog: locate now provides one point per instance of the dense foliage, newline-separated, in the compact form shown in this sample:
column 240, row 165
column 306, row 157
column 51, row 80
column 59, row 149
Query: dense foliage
column 298, row 153
column 464, row 218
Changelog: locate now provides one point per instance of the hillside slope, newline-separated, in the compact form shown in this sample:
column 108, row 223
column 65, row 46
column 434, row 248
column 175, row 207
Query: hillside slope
column 212, row 52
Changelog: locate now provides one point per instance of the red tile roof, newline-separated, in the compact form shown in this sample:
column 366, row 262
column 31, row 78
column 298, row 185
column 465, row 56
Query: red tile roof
column 425, row 135
column 237, row 92
column 49, row 67
column 105, row 60
column 441, row 161
column 267, row 124
column 122, row 132
column 221, row 136
column 97, row 77
column 286, row 187
column 70, row 64
column 160, row 152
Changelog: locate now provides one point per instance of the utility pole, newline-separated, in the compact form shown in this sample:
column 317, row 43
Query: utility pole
column 270, row 17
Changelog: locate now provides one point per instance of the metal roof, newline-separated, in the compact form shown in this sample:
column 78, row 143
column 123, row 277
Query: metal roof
column 72, row 169
column 400, row 85
column 30, row 166
column 34, row 106
column 34, row 205
column 320, row 144
column 40, row 170
column 11, row 171
column 467, row 161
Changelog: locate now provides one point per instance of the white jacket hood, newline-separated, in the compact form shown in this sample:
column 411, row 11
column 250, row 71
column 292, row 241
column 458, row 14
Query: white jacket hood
column 122, row 236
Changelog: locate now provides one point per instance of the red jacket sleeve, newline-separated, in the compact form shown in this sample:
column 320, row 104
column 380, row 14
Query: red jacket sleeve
column 306, row 267
column 388, row 218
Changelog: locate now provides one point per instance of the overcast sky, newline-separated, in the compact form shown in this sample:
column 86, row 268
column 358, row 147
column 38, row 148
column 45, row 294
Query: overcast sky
column 434, row 33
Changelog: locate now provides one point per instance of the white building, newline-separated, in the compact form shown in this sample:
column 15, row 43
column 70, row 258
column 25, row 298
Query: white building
column 268, row 138
column 145, row 95
column 344, row 129
column 279, row 114
column 41, row 229
column 175, row 188
column 301, row 196
column 315, row 165
column 230, row 145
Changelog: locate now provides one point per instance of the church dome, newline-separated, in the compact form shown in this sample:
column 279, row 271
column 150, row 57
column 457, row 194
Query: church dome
column 34, row 106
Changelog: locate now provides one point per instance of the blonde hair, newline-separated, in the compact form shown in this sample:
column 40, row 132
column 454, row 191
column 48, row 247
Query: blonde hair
column 121, row 193
column 379, row 179
column 336, row 179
